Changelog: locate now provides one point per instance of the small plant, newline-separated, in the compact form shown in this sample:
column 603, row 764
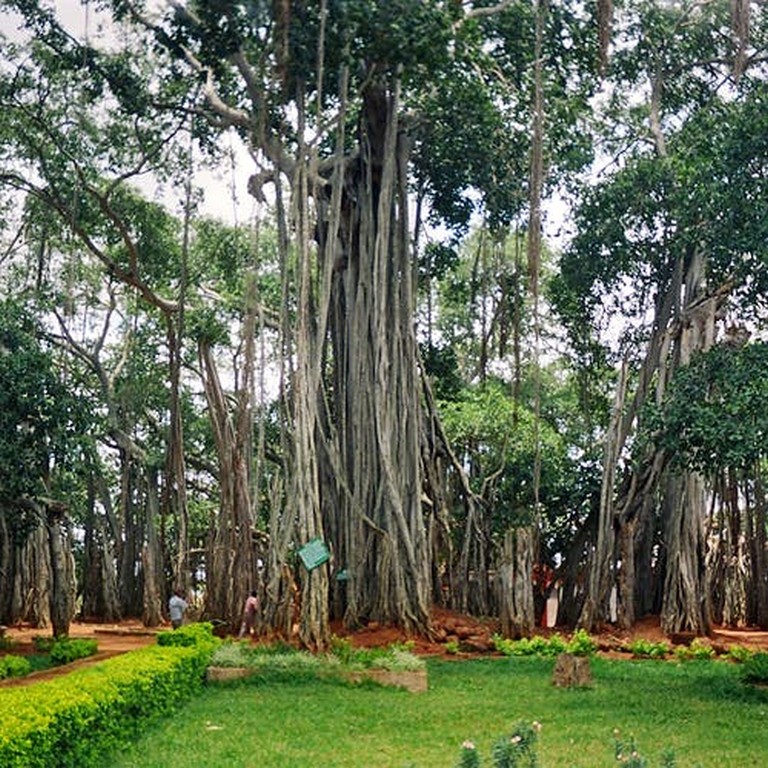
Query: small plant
column 14, row 666
column 756, row 669
column 698, row 650
column 646, row 649
column 469, row 757
column 739, row 654
column 519, row 748
column 627, row 753
column 342, row 648
column 541, row 646
column 452, row 646
column 200, row 633
column 43, row 643
column 231, row 654
column 581, row 644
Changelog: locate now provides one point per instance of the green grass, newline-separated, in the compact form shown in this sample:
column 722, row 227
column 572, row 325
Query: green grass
column 700, row 710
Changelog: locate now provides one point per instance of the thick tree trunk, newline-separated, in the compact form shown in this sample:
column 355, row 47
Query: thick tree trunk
column 686, row 602
column 30, row 579
column 376, row 384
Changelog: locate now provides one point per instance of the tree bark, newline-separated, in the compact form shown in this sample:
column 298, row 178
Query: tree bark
column 61, row 572
column 516, row 583
column 229, row 552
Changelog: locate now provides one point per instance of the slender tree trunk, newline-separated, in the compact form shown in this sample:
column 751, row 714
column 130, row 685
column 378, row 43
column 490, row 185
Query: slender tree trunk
column 61, row 587
column 626, row 576
column 516, row 583
column 601, row 573
column 6, row 562
column 99, row 586
column 151, row 557
column 760, row 554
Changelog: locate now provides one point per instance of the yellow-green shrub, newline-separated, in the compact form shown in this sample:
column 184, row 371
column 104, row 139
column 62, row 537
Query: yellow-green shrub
column 76, row 719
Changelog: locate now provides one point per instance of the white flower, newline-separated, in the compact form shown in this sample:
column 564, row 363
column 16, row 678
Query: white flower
column 467, row 745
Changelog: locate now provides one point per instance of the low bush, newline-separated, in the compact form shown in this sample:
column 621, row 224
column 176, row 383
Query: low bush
column 580, row 644
column 739, row 654
column 755, row 669
column 14, row 666
column 43, row 643
column 75, row 720
column 342, row 658
column 698, row 650
column 68, row 649
column 189, row 635
column 647, row 649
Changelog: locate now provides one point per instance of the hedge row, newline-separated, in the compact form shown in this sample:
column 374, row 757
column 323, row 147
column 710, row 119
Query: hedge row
column 78, row 719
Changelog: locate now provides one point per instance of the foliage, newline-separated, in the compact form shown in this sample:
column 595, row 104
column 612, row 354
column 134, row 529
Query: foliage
column 76, row 719
column 6, row 642
column 43, row 643
column 580, row 644
column 713, row 415
column 755, row 669
column 230, row 654
column 642, row 648
column 270, row 658
column 739, row 653
column 469, row 757
column 14, row 666
column 42, row 421
column 199, row 633
column 698, row 650
column 490, row 431
column 68, row 649
column 519, row 748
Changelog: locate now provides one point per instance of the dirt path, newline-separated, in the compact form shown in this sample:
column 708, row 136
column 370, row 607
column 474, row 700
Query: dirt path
column 112, row 639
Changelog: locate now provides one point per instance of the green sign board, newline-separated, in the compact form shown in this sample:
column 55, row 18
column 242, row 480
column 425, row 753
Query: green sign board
column 314, row 553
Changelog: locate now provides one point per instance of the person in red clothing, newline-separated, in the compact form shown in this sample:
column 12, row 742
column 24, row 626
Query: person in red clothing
column 249, row 614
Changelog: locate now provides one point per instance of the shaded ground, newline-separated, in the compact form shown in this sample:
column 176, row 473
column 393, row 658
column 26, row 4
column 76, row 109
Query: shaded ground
column 471, row 636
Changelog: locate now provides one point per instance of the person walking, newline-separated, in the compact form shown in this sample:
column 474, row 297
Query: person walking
column 177, row 607
column 249, row 614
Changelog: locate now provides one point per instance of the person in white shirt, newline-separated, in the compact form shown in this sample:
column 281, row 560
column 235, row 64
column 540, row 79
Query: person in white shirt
column 177, row 607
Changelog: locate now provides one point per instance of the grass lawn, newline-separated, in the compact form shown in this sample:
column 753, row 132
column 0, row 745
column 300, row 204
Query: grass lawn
column 700, row 710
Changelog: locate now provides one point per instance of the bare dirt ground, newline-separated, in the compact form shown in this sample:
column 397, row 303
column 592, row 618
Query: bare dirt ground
column 472, row 636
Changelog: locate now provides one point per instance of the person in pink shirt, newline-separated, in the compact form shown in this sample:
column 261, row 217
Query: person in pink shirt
column 249, row 614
